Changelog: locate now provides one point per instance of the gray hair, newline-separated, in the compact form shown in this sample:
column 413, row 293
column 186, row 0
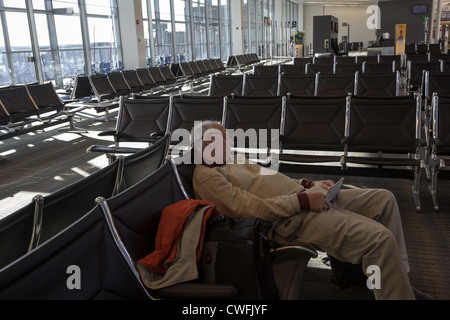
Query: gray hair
column 200, row 126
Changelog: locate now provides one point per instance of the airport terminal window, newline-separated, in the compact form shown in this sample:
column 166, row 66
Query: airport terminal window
column 101, row 7
column 183, row 43
column 214, row 28
column 103, row 36
column 39, row 4
column 70, row 45
column 250, row 29
column 59, row 40
column 290, row 15
column 200, row 42
column 161, row 16
column 20, row 51
column 61, row 5
column 206, row 35
column 4, row 64
column 225, row 23
column 14, row 3
column 258, row 32
column 45, row 49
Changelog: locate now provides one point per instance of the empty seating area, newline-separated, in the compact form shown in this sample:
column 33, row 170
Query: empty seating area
column 347, row 123
column 291, row 123
column 32, row 107
column 114, row 116
column 243, row 62
column 99, row 220
column 284, row 80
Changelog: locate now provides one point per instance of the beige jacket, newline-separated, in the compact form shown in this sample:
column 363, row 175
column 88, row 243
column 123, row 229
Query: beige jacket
column 241, row 191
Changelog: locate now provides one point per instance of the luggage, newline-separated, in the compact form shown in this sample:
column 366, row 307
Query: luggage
column 237, row 252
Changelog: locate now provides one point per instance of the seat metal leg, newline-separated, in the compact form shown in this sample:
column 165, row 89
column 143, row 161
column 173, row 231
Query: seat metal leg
column 415, row 190
column 72, row 128
column 433, row 189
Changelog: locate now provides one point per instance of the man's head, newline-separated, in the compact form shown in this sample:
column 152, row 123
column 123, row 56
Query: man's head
column 211, row 139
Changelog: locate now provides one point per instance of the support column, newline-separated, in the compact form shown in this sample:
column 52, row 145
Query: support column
column 132, row 34
column 237, row 32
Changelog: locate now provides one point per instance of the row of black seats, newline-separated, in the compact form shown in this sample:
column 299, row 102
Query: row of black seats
column 114, row 84
column 332, row 68
column 362, row 84
column 101, row 91
column 198, row 70
column 411, row 66
column 423, row 48
column 46, row 216
column 400, row 60
column 30, row 107
column 101, row 226
column 327, row 60
column 243, row 61
column 346, row 124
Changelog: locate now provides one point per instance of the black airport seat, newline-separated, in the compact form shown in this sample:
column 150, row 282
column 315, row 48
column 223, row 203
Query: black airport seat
column 298, row 85
column 260, row 85
column 304, row 118
column 139, row 120
column 388, row 131
column 225, row 85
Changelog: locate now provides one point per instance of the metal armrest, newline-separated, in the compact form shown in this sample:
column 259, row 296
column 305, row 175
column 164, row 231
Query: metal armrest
column 106, row 149
column 313, row 253
column 158, row 134
column 107, row 133
column 72, row 111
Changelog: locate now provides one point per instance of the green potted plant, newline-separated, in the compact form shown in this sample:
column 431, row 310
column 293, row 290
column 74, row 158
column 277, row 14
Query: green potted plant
column 299, row 36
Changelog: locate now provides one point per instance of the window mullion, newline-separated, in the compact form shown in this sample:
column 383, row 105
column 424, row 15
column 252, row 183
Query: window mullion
column 85, row 36
column 150, row 31
column 174, row 38
column 191, row 30
column 34, row 42
column 54, row 44
column 8, row 51
column 207, row 27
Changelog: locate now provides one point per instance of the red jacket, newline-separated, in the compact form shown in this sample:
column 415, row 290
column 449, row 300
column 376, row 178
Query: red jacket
column 170, row 231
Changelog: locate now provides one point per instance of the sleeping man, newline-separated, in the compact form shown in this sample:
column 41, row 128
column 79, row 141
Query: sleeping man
column 359, row 226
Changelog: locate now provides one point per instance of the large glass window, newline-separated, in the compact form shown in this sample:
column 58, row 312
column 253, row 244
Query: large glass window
column 162, row 31
column 69, row 45
column 214, row 28
column 14, row 3
column 258, row 29
column 58, row 41
column 182, row 30
column 185, row 30
column 19, row 51
column 199, row 16
column 104, row 41
column 225, row 23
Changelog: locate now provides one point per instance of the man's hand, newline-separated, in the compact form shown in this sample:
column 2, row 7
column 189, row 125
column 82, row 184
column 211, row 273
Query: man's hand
column 317, row 202
column 326, row 184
